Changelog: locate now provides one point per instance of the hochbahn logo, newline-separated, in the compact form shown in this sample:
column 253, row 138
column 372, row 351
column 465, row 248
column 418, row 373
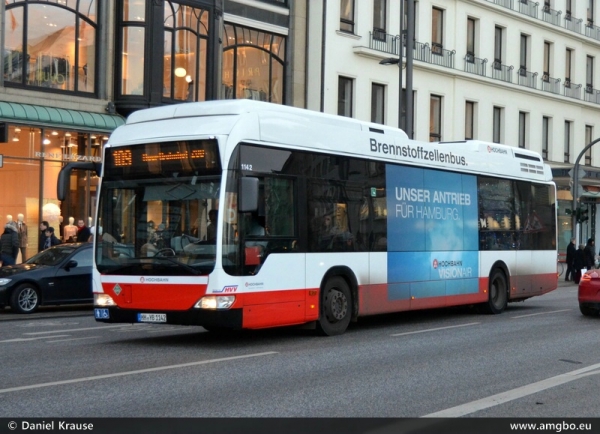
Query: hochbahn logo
column 494, row 150
column 153, row 279
column 452, row 269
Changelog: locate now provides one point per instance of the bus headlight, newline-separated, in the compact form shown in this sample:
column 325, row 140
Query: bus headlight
column 103, row 300
column 215, row 302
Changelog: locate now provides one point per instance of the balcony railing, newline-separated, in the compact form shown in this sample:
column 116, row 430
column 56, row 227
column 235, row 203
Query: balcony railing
column 502, row 72
column 527, row 78
column 506, row 3
column 592, row 95
column 381, row 41
column 528, row 7
column 384, row 42
column 443, row 57
column 550, row 84
column 592, row 31
column 572, row 90
column 551, row 16
column 546, row 13
column 573, row 24
column 475, row 65
column 437, row 56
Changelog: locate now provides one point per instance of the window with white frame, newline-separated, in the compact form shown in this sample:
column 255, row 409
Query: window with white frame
column 470, row 39
column 345, row 85
column 589, row 74
column 377, row 103
column 498, row 35
column 589, row 136
column 347, row 16
column 546, row 121
column 568, row 59
column 469, row 120
column 522, row 129
column 437, row 30
column 379, row 15
column 524, row 57
column 497, row 125
column 435, row 118
column 567, row 142
column 547, row 50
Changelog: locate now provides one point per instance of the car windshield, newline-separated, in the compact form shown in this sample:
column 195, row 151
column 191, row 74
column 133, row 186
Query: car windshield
column 52, row 256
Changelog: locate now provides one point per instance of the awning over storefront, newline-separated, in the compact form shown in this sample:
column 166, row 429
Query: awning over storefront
column 58, row 118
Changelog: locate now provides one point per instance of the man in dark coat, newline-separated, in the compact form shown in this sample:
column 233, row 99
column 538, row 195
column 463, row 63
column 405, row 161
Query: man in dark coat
column 83, row 232
column 42, row 237
column 570, row 275
column 590, row 254
column 9, row 245
column 51, row 239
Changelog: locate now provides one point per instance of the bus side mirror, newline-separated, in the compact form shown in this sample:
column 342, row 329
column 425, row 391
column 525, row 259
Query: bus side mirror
column 64, row 176
column 248, row 194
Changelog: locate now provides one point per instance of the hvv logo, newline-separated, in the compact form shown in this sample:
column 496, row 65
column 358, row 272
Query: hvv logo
column 230, row 288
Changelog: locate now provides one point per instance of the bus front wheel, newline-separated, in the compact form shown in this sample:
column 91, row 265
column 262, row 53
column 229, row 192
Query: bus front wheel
column 497, row 293
column 336, row 307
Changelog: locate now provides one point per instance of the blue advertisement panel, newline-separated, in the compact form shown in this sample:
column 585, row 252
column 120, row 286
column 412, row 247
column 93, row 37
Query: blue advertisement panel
column 432, row 233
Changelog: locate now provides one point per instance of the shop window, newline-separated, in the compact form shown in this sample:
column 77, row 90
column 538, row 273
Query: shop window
column 185, row 34
column 51, row 46
column 252, row 64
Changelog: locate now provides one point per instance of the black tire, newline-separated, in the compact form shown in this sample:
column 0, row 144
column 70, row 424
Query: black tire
column 335, row 309
column 497, row 293
column 588, row 311
column 25, row 298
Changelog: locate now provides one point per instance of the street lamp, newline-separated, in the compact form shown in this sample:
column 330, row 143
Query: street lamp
column 410, row 36
column 576, row 186
column 392, row 61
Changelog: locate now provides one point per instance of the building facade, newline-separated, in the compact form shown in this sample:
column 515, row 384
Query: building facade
column 515, row 72
column 73, row 70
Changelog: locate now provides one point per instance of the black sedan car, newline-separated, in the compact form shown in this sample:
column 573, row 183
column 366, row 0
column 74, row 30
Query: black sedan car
column 59, row 275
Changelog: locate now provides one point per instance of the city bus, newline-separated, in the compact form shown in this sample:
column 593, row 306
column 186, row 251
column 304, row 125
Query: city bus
column 241, row 214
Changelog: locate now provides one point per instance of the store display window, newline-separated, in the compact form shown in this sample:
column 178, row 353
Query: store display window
column 252, row 64
column 49, row 45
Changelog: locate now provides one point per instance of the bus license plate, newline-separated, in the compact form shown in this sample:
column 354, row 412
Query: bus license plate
column 152, row 317
column 101, row 314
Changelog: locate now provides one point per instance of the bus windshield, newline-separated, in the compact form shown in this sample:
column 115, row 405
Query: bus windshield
column 157, row 212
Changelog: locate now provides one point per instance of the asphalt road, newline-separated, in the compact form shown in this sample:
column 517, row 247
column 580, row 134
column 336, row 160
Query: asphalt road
column 540, row 358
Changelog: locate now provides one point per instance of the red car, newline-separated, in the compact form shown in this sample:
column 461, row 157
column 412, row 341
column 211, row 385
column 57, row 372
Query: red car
column 589, row 293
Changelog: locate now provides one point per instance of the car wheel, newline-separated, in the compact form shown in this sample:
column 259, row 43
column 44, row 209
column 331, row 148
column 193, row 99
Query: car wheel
column 336, row 307
column 25, row 298
column 588, row 311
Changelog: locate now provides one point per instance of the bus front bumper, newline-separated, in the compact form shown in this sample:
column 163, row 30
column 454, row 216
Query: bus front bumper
column 230, row 318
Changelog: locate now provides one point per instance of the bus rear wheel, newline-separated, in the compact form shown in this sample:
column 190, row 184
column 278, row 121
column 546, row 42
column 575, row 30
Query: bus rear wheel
column 497, row 293
column 336, row 307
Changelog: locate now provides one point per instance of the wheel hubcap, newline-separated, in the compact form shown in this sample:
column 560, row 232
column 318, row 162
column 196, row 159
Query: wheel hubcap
column 28, row 299
column 338, row 305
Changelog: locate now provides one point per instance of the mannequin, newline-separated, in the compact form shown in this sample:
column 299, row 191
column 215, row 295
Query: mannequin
column 9, row 219
column 70, row 231
column 22, row 230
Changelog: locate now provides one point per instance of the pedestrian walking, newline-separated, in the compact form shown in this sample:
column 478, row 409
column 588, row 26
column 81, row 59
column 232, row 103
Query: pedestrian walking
column 9, row 245
column 571, row 249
